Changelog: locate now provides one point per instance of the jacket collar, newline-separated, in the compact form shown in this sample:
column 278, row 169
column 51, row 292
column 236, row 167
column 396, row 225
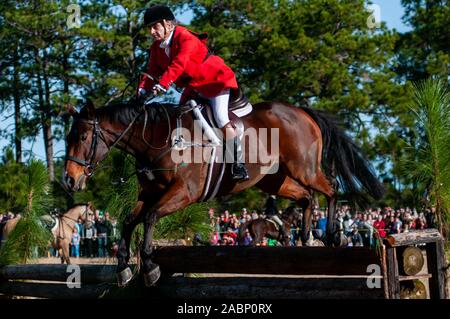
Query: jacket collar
column 167, row 43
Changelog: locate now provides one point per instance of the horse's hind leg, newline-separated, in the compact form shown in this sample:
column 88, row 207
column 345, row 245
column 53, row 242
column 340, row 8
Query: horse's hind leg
column 292, row 189
column 320, row 183
column 305, row 204
column 328, row 187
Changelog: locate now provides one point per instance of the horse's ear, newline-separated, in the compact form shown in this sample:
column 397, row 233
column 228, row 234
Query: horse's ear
column 90, row 108
column 90, row 206
column 70, row 109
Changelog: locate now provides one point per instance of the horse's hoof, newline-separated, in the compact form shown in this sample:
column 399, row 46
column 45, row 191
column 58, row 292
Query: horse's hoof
column 124, row 277
column 152, row 276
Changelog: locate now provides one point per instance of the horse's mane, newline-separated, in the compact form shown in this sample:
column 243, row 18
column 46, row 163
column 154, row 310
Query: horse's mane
column 78, row 204
column 124, row 113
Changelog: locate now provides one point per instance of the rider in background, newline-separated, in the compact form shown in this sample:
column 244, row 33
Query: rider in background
column 272, row 213
column 180, row 56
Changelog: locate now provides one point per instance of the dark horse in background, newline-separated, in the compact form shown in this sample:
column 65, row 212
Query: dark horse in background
column 264, row 227
column 307, row 139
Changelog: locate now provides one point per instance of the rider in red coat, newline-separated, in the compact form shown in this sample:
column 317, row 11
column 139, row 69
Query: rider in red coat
column 180, row 56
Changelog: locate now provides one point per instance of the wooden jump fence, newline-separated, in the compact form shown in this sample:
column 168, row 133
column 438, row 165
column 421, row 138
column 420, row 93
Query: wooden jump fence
column 258, row 272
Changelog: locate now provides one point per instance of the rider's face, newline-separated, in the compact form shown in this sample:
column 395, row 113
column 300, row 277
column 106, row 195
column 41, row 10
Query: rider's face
column 158, row 32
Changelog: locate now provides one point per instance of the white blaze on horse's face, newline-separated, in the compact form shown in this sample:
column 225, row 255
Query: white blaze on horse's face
column 78, row 144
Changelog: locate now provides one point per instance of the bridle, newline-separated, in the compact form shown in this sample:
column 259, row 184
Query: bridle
column 97, row 131
column 91, row 164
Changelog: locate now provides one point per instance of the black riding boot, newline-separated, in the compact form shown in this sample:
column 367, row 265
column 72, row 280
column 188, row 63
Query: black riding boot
column 238, row 170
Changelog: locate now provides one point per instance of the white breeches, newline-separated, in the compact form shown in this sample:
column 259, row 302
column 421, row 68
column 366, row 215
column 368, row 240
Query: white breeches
column 219, row 106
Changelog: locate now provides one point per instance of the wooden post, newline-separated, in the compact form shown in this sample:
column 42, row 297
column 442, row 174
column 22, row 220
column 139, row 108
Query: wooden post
column 385, row 272
column 392, row 266
column 436, row 264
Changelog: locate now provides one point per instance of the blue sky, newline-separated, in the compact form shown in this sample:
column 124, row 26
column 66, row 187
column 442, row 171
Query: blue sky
column 391, row 12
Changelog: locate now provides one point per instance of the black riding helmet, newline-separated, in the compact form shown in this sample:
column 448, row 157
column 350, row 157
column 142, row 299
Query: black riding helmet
column 157, row 13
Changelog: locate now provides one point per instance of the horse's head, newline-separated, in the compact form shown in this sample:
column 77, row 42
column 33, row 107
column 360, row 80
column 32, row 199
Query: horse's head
column 86, row 147
column 85, row 212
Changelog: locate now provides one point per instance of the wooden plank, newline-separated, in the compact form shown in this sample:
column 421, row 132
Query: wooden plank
column 425, row 276
column 273, row 288
column 51, row 272
column 436, row 264
column 413, row 238
column 392, row 267
column 52, row 290
column 223, row 287
column 266, row 260
column 249, row 260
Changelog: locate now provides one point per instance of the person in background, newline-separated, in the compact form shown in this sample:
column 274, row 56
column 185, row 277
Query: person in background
column 379, row 225
column 90, row 234
column 248, row 240
column 356, row 238
column 102, row 235
column 75, row 243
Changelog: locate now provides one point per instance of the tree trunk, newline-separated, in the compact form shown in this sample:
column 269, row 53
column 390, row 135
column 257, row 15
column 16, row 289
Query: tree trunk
column 48, row 135
column 17, row 116
column 65, row 65
column 45, row 120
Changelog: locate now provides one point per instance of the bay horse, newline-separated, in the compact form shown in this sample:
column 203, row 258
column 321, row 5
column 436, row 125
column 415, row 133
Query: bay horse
column 307, row 139
column 263, row 227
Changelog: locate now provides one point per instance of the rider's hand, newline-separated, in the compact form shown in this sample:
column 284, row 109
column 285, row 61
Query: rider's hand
column 142, row 92
column 141, row 96
column 158, row 89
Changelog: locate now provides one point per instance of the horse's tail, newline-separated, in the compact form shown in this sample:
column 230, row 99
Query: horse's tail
column 242, row 229
column 345, row 160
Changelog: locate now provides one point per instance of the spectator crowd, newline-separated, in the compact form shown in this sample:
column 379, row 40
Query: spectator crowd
column 361, row 228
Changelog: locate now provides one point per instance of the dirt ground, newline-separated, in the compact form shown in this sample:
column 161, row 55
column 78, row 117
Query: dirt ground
column 81, row 260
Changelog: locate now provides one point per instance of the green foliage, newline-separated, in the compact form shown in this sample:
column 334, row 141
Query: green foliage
column 29, row 234
column 186, row 223
column 425, row 50
column 430, row 164
column 12, row 184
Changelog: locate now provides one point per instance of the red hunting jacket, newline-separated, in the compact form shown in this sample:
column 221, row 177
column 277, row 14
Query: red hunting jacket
column 189, row 66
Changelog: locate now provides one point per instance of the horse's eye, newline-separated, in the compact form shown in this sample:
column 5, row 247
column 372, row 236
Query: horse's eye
column 84, row 137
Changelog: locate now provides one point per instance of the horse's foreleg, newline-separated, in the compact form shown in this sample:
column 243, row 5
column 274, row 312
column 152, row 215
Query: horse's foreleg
column 65, row 250
column 124, row 273
column 151, row 270
column 177, row 197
